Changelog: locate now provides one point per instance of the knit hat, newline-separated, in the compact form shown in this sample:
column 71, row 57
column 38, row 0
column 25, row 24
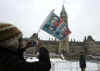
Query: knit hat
column 8, row 31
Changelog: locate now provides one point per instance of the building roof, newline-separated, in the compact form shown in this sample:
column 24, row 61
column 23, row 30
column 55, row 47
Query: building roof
column 46, row 42
column 97, row 42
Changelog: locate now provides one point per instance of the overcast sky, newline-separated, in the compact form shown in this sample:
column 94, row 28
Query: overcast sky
column 28, row 15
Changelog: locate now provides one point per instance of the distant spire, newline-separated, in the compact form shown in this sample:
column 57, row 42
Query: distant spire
column 85, row 38
column 63, row 14
column 74, row 40
column 71, row 40
column 63, row 2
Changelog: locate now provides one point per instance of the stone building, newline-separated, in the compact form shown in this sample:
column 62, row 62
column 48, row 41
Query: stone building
column 89, row 46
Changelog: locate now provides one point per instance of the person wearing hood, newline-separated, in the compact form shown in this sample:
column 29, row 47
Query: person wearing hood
column 44, row 59
column 82, row 61
column 11, row 52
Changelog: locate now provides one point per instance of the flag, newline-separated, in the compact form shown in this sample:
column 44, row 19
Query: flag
column 61, row 31
column 55, row 26
column 67, row 32
column 59, row 22
column 50, row 24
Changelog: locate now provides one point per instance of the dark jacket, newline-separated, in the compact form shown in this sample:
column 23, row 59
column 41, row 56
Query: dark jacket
column 82, row 61
column 10, row 61
column 44, row 58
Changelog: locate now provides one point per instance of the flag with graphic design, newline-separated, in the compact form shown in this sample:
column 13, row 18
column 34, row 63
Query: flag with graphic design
column 55, row 26
column 51, row 23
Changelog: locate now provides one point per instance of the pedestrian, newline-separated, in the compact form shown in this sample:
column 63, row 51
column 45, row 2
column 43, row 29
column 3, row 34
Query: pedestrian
column 44, row 59
column 82, row 61
column 11, row 52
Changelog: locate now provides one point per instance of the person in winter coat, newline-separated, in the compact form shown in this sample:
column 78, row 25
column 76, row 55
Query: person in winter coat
column 11, row 52
column 82, row 61
column 44, row 59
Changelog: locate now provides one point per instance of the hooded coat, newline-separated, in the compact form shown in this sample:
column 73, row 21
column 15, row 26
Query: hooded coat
column 82, row 61
column 44, row 60
column 10, row 61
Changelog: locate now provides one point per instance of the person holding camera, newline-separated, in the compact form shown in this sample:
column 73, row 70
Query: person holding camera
column 11, row 52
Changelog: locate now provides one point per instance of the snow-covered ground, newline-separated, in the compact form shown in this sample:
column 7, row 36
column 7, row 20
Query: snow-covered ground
column 63, row 65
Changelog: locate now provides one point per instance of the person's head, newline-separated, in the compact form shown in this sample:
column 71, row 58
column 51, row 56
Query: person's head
column 43, row 54
column 10, row 36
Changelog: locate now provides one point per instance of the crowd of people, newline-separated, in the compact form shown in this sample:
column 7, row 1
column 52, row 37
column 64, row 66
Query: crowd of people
column 11, row 52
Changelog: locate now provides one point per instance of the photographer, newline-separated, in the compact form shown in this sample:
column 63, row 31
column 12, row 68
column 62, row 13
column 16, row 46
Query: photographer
column 11, row 52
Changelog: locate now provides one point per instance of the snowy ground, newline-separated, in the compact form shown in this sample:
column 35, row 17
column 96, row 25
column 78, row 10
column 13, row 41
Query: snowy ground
column 63, row 65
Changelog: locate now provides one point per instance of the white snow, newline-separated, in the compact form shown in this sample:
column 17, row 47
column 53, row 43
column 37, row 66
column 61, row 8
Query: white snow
column 64, row 65
column 31, row 59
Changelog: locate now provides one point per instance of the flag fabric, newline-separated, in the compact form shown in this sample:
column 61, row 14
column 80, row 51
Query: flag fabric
column 51, row 23
column 55, row 26
column 62, row 31
column 67, row 32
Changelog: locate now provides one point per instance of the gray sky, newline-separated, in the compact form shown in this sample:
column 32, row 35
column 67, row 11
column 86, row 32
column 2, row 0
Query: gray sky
column 28, row 15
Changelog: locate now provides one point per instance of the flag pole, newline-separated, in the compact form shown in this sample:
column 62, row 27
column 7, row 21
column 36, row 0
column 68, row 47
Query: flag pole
column 59, row 46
